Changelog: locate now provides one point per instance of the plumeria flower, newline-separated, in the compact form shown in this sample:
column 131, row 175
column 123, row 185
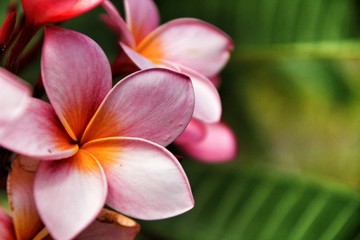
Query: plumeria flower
column 14, row 97
column 40, row 12
column 189, row 46
column 208, row 142
column 100, row 145
column 25, row 222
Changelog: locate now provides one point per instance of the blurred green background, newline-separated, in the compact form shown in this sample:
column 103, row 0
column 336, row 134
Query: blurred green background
column 291, row 93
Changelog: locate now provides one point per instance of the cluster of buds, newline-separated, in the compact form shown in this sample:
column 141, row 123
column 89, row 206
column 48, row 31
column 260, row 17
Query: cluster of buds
column 79, row 146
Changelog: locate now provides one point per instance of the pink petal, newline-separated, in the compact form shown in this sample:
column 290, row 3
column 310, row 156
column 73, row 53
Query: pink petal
column 117, row 24
column 27, row 222
column 6, row 226
column 76, row 76
column 195, row 132
column 142, row 17
column 207, row 100
column 189, row 42
column 140, row 61
column 38, row 134
column 69, row 194
column 110, row 225
column 44, row 11
column 145, row 180
column 14, row 96
column 155, row 104
column 218, row 145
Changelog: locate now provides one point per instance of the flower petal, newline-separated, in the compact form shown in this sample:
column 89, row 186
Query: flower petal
column 142, row 17
column 110, row 225
column 14, row 96
column 76, row 76
column 6, row 226
column 194, row 132
column 140, row 61
column 38, row 134
column 207, row 100
column 218, row 145
column 188, row 42
column 27, row 222
column 145, row 180
column 44, row 11
column 117, row 24
column 155, row 104
column 69, row 194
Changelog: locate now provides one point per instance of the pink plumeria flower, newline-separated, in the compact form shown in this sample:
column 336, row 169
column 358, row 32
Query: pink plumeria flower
column 186, row 45
column 101, row 145
column 14, row 97
column 25, row 222
column 208, row 142
column 40, row 12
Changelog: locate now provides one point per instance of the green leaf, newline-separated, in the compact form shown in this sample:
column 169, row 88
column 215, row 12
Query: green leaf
column 275, row 21
column 4, row 200
column 259, row 204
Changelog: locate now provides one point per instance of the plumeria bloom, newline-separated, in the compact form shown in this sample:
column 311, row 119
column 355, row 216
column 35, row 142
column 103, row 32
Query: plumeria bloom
column 25, row 222
column 101, row 145
column 40, row 12
column 14, row 97
column 189, row 46
column 208, row 142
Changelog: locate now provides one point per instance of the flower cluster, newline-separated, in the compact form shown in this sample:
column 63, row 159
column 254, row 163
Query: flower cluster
column 82, row 146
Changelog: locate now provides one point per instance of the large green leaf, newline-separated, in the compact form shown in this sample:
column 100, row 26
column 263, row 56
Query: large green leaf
column 260, row 204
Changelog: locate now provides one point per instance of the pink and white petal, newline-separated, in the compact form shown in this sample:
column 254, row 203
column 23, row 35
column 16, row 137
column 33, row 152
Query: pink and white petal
column 142, row 17
column 194, row 132
column 6, row 226
column 140, row 61
column 207, row 100
column 44, row 11
column 219, row 144
column 69, row 194
column 117, row 24
column 155, row 104
column 14, row 96
column 38, row 134
column 27, row 222
column 110, row 225
column 76, row 76
column 189, row 42
column 145, row 180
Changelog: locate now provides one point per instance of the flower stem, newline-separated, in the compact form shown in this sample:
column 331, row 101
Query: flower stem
column 27, row 33
column 7, row 28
